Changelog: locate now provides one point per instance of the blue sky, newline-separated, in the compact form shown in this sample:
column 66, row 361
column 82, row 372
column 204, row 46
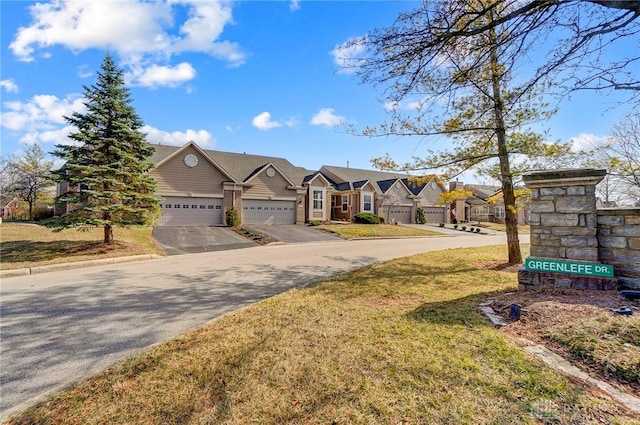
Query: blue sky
column 259, row 77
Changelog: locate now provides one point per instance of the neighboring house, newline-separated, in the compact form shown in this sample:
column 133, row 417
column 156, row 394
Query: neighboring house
column 394, row 197
column 198, row 186
column 477, row 208
column 14, row 209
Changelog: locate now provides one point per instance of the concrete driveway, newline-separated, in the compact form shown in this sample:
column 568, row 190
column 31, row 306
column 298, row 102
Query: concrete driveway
column 176, row 240
column 60, row 327
column 294, row 233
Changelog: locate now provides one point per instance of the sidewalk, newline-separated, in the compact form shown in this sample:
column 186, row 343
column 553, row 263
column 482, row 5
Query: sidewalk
column 26, row 271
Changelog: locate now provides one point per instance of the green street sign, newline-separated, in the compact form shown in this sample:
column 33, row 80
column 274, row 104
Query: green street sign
column 568, row 267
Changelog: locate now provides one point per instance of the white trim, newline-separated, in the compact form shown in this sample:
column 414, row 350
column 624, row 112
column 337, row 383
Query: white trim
column 363, row 194
column 266, row 167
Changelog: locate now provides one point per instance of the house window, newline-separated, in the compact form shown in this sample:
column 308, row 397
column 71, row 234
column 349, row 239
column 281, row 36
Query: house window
column 499, row 211
column 318, row 198
column 366, row 202
column 345, row 203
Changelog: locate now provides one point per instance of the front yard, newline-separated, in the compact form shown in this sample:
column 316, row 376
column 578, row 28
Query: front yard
column 30, row 245
column 395, row 343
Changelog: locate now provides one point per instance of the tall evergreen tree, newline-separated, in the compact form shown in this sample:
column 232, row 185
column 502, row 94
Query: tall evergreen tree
column 106, row 167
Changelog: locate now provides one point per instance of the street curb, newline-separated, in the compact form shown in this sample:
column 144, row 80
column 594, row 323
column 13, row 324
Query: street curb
column 75, row 264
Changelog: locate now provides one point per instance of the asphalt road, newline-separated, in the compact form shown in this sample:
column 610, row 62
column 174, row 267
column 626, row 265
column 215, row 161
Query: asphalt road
column 58, row 328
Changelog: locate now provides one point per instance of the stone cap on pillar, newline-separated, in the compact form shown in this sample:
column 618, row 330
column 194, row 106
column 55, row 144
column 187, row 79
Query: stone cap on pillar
column 564, row 177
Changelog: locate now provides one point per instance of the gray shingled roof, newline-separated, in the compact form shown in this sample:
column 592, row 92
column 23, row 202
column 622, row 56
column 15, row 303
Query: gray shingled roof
column 482, row 191
column 355, row 174
column 239, row 165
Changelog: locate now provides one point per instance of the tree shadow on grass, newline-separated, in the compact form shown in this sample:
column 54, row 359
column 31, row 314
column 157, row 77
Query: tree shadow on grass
column 42, row 252
column 21, row 251
column 460, row 311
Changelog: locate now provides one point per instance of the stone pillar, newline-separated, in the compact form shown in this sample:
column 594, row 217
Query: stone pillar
column 563, row 224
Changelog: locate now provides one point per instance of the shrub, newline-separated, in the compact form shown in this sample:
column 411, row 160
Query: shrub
column 455, row 226
column 464, row 228
column 232, row 217
column 420, row 217
column 471, row 229
column 314, row 223
column 441, row 224
column 477, row 230
column 42, row 213
column 367, row 218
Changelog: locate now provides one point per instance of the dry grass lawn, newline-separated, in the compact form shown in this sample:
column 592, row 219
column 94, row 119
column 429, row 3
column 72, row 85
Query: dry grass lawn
column 522, row 230
column 30, row 245
column 394, row 343
column 352, row 231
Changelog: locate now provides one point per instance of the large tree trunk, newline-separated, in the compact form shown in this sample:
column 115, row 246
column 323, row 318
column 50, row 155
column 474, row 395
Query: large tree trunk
column 511, row 219
column 108, row 233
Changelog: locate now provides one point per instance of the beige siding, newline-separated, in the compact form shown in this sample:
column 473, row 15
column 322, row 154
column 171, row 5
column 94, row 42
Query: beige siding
column 175, row 176
column 430, row 194
column 264, row 186
column 397, row 195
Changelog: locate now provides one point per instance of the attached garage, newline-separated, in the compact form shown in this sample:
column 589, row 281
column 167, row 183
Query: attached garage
column 396, row 214
column 178, row 211
column 435, row 214
column 268, row 212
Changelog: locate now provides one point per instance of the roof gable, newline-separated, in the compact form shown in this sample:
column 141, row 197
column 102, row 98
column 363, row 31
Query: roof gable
column 165, row 155
column 238, row 166
column 319, row 176
column 265, row 169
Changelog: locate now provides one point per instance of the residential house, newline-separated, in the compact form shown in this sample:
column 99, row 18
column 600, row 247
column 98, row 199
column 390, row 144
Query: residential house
column 198, row 186
column 478, row 207
column 14, row 208
column 394, row 197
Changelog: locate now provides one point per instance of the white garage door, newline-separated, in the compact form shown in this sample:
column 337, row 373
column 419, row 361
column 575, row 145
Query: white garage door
column 191, row 212
column 434, row 214
column 268, row 212
column 397, row 214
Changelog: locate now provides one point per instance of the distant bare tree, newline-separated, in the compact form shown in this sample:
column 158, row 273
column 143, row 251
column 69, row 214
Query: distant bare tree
column 624, row 149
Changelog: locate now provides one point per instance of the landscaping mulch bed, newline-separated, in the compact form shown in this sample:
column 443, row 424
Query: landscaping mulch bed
column 254, row 235
column 547, row 308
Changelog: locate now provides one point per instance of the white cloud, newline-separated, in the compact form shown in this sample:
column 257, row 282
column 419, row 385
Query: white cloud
column 326, row 117
column 58, row 136
column 142, row 33
column 41, row 112
column 40, row 120
column 348, row 55
column 585, row 142
column 85, row 71
column 9, row 85
column 263, row 122
column 163, row 76
column 291, row 122
column 294, row 5
column 178, row 138
column 391, row 106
